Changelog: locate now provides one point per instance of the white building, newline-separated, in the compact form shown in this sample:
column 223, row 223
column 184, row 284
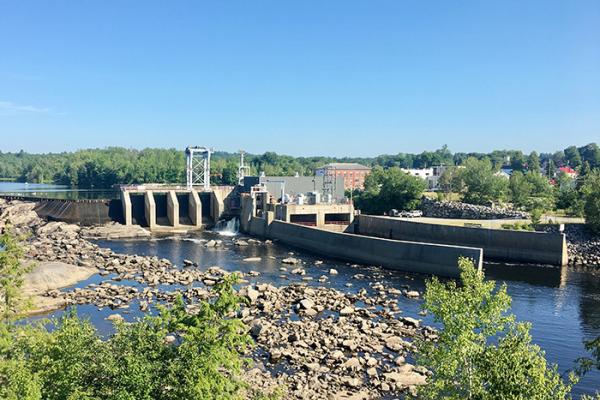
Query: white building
column 430, row 175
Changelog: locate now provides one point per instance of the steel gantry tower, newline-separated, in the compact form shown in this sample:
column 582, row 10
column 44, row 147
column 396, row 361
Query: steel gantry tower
column 242, row 169
column 198, row 167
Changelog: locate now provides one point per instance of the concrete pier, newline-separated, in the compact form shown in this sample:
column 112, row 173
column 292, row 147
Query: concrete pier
column 195, row 208
column 150, row 209
column 126, row 202
column 173, row 209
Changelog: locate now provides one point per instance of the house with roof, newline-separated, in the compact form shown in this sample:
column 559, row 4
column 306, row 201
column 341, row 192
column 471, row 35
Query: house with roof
column 568, row 171
column 353, row 173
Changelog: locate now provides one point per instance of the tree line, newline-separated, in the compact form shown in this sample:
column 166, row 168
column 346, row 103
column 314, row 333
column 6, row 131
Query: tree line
column 102, row 168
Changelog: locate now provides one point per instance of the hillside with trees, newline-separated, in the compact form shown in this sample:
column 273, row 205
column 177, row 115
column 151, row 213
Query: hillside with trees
column 102, row 168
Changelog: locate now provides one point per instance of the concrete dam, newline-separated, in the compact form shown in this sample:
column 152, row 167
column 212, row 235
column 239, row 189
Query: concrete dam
column 173, row 208
column 330, row 229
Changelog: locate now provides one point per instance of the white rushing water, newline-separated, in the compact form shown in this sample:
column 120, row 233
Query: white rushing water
column 228, row 228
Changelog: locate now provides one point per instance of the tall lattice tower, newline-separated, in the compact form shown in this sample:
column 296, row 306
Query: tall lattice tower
column 242, row 169
column 329, row 182
column 198, row 167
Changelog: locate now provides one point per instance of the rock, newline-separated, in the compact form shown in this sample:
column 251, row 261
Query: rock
column 413, row 294
column 252, row 295
column 114, row 231
column 54, row 275
column 410, row 321
column 115, row 317
column 311, row 312
column 405, row 376
column 170, row 339
column 299, row 271
column 394, row 343
column 333, row 271
column 451, row 209
column 252, row 259
column 211, row 243
column 306, row 304
column 347, row 310
column 312, row 366
column 352, row 382
column 352, row 363
column 290, row 260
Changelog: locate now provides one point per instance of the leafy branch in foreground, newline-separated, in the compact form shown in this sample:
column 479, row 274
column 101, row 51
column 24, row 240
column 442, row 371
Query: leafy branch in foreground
column 482, row 352
column 12, row 273
column 174, row 355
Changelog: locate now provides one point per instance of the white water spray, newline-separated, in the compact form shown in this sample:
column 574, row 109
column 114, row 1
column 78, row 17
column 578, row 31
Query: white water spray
column 228, row 228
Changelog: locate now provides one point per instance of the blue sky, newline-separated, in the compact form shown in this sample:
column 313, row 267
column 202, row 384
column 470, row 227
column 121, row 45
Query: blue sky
column 336, row 78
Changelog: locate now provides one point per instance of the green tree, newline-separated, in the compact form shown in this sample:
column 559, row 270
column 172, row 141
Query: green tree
column 533, row 162
column 482, row 184
column 481, row 352
column 451, row 181
column 591, row 198
column 387, row 189
column 520, row 188
column 12, row 273
column 517, row 160
column 572, row 157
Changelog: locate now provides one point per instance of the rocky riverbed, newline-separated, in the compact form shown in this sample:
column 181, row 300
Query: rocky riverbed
column 314, row 342
column 583, row 246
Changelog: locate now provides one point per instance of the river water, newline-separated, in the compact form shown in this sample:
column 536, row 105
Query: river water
column 563, row 304
column 55, row 191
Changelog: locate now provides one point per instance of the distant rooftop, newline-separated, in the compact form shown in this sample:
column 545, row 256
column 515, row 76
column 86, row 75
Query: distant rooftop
column 568, row 170
column 355, row 166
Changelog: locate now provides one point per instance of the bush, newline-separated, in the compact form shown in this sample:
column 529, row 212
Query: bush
column 481, row 351
column 72, row 362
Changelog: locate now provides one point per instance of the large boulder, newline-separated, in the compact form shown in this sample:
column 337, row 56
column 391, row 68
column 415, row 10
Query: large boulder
column 52, row 275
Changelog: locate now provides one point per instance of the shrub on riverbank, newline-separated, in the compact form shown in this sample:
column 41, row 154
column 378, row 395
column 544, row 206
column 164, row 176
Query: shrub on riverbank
column 482, row 352
column 171, row 356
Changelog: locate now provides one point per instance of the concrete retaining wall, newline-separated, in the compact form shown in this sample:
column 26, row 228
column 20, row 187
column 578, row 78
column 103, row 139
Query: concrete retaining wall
column 502, row 245
column 401, row 255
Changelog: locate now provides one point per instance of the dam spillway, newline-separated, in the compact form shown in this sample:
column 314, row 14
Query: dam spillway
column 168, row 208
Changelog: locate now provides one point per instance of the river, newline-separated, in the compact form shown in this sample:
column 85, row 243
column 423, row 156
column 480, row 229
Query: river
column 563, row 304
column 55, row 191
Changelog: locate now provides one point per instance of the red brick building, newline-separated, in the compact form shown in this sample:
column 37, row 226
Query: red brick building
column 354, row 174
